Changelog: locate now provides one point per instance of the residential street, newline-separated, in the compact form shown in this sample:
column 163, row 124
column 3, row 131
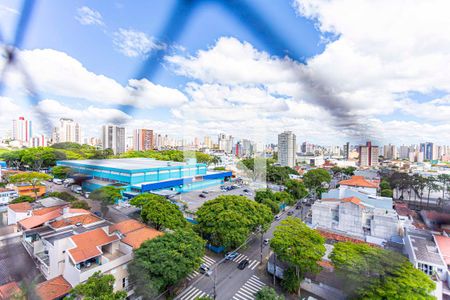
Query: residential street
column 232, row 283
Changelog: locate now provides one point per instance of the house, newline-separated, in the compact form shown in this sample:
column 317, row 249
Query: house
column 361, row 184
column 423, row 252
column 443, row 245
column 351, row 216
column 435, row 220
column 24, row 189
column 41, row 210
column 9, row 290
column 71, row 248
column 55, row 288
column 6, row 196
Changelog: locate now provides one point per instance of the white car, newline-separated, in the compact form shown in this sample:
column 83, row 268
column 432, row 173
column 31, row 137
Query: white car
column 57, row 181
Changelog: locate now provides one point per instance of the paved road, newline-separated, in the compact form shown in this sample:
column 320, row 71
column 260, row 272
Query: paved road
column 232, row 283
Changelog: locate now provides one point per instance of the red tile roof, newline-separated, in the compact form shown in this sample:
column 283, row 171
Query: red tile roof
column 7, row 291
column 6, row 190
column 84, row 219
column 37, row 220
column 135, row 232
column 137, row 237
column 46, row 210
column 443, row 243
column 353, row 200
column 20, row 207
column 358, row 181
column 88, row 244
column 340, row 237
column 53, row 288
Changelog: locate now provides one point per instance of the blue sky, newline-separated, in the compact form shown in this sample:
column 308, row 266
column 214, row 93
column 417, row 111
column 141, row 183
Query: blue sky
column 329, row 70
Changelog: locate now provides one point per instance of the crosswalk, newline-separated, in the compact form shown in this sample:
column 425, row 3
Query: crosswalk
column 192, row 293
column 249, row 289
column 208, row 261
column 252, row 263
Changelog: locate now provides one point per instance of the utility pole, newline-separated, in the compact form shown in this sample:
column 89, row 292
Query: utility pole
column 215, row 277
column 274, row 268
column 261, row 252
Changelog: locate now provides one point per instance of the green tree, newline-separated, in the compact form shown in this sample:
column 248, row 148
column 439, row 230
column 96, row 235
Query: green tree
column 268, row 293
column 262, row 194
column 107, row 195
column 274, row 206
column 228, row 220
column 291, row 281
column 374, row 273
column 80, row 204
column 384, row 185
column 386, row 193
column 296, row 188
column 297, row 244
column 444, row 179
column 62, row 195
column 162, row 262
column 349, row 171
column 97, row 287
column 284, row 197
column 32, row 178
column 314, row 180
column 158, row 211
column 22, row 199
column 61, row 171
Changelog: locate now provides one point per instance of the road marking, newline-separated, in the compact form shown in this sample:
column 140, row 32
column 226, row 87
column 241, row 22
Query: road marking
column 208, row 261
column 253, row 264
column 238, row 260
column 249, row 289
column 192, row 293
column 193, row 275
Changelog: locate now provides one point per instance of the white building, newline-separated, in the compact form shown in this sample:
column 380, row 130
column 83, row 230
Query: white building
column 287, row 149
column 368, row 155
column 67, row 131
column 22, row 130
column 225, row 142
column 113, row 137
column 6, row 196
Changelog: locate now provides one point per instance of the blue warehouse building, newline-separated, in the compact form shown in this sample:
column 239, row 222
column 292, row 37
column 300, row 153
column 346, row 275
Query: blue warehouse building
column 138, row 175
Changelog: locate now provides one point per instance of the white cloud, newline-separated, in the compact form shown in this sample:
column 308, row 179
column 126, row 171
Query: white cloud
column 89, row 16
column 133, row 43
column 59, row 74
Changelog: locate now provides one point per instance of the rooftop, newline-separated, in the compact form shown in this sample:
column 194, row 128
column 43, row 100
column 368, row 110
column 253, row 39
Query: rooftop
column 443, row 243
column 88, row 243
column 129, row 164
column 53, row 288
column 359, row 181
column 84, row 219
column 40, row 219
column 7, row 291
column 424, row 247
column 135, row 233
column 20, row 207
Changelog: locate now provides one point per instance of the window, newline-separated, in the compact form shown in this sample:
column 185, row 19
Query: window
column 124, row 282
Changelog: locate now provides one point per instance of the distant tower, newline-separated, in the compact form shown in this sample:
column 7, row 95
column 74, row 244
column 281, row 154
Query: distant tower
column 287, row 149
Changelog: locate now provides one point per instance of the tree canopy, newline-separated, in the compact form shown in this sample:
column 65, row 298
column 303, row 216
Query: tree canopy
column 296, row 188
column 162, row 262
column 275, row 174
column 297, row 244
column 375, row 273
column 268, row 293
column 314, row 180
column 273, row 199
column 228, row 220
column 97, row 287
column 32, row 178
column 107, row 195
column 159, row 211
column 61, row 171
column 22, row 199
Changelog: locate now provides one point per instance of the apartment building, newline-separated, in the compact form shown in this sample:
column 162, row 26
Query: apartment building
column 368, row 155
column 7, row 195
column 287, row 149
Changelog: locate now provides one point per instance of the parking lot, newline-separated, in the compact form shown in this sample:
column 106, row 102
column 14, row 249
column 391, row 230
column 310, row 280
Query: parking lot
column 194, row 200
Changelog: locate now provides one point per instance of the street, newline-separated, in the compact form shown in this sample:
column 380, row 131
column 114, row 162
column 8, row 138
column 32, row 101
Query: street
column 232, row 283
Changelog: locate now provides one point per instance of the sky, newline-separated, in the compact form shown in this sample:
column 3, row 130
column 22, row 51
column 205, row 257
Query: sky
column 331, row 71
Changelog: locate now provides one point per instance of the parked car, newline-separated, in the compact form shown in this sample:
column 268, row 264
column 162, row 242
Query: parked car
column 266, row 242
column 290, row 213
column 98, row 214
column 243, row 264
column 231, row 255
column 69, row 181
column 277, row 218
column 86, row 195
column 205, row 192
column 298, row 207
column 246, row 190
column 202, row 196
column 76, row 189
column 57, row 181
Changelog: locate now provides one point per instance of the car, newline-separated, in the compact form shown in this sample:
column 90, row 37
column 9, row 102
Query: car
column 266, row 242
column 290, row 213
column 277, row 218
column 202, row 196
column 298, row 207
column 246, row 190
column 243, row 264
column 204, row 269
column 205, row 192
column 231, row 255
column 57, row 181
column 98, row 214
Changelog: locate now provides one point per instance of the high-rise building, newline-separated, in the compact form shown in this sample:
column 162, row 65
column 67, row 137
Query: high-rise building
column 38, row 141
column 22, row 130
column 429, row 151
column 113, row 137
column 404, row 152
column 67, row 131
column 390, row 152
column 143, row 140
column 225, row 142
column 207, row 142
column 346, row 151
column 287, row 149
column 368, row 155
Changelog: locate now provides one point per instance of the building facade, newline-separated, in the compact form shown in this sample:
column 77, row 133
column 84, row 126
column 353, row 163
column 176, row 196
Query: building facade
column 113, row 137
column 368, row 155
column 22, row 130
column 143, row 140
column 68, row 131
column 287, row 149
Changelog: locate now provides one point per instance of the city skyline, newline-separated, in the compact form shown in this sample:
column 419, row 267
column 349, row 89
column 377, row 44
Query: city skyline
column 232, row 81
